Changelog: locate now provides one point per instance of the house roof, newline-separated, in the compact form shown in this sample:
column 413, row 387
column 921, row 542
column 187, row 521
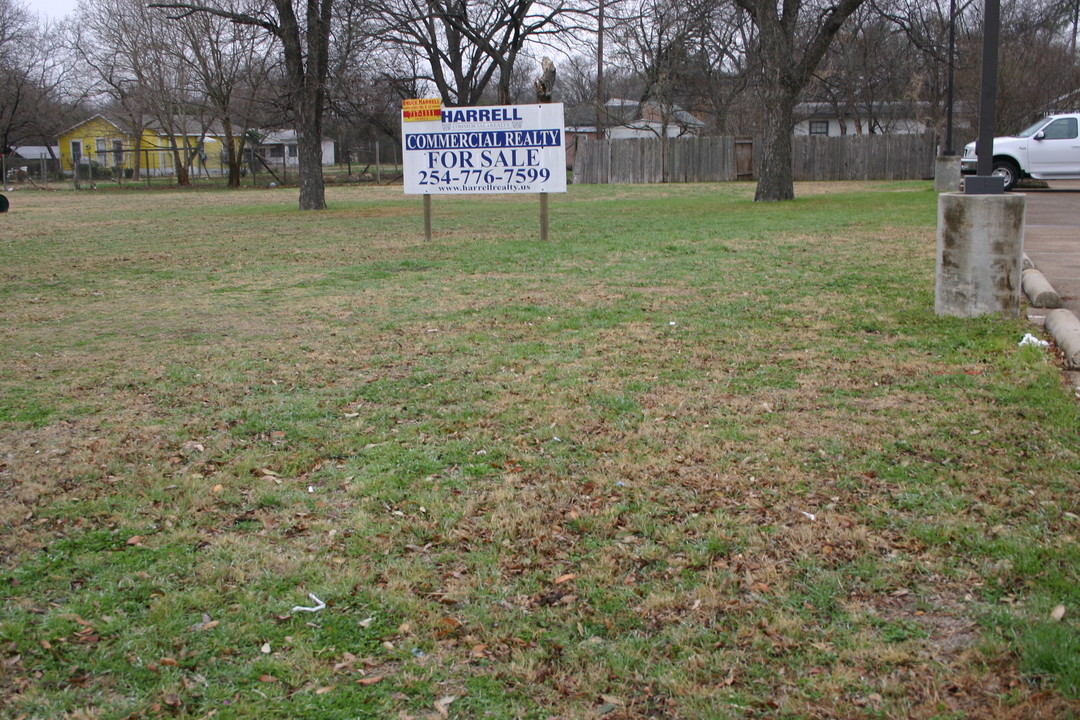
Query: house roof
column 628, row 111
column 188, row 126
column 884, row 109
column 1067, row 103
column 35, row 152
column 631, row 113
column 184, row 126
column 283, row 137
column 90, row 119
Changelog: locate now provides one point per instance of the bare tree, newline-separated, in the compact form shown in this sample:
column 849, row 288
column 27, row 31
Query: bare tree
column 1041, row 74
column 368, row 79
column 683, row 53
column 108, row 44
column 871, row 76
column 469, row 44
column 139, row 65
column 926, row 26
column 233, row 63
column 792, row 38
column 1068, row 14
column 1038, row 73
column 658, row 42
column 303, row 29
column 32, row 67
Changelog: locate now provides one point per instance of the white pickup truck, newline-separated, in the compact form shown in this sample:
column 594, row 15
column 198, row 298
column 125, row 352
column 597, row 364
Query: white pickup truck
column 1047, row 150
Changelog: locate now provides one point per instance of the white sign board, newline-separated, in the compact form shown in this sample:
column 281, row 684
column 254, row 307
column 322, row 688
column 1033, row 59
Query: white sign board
column 495, row 149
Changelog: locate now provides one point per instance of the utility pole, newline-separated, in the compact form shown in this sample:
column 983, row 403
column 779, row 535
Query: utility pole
column 949, row 149
column 600, row 72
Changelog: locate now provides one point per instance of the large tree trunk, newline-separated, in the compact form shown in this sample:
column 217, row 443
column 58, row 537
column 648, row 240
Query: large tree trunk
column 791, row 49
column 307, row 74
column 136, row 166
column 776, row 181
column 234, row 152
column 506, row 70
column 309, row 149
column 182, row 177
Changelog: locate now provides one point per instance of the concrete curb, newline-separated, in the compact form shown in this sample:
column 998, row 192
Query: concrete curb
column 1062, row 324
column 1038, row 289
column 1065, row 328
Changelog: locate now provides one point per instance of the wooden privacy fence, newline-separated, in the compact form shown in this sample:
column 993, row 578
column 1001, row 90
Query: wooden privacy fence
column 644, row 160
column 718, row 159
column 864, row 157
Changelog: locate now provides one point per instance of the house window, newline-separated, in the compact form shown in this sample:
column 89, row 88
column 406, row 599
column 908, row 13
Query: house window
column 76, row 152
column 118, row 152
column 819, row 127
column 99, row 146
column 292, row 151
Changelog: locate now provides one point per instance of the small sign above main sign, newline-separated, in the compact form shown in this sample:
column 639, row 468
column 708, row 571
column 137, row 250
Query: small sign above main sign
column 419, row 110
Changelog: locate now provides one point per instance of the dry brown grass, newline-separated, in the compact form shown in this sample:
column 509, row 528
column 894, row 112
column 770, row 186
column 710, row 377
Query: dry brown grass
column 664, row 467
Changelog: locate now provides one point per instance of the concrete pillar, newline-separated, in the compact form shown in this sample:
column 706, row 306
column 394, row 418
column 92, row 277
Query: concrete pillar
column 980, row 250
column 947, row 173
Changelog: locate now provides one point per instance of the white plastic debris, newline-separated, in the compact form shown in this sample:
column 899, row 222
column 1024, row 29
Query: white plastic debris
column 1030, row 339
column 812, row 516
column 319, row 605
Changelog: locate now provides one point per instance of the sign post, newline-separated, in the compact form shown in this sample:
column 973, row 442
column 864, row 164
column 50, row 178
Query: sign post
column 543, row 217
column 427, row 217
column 483, row 150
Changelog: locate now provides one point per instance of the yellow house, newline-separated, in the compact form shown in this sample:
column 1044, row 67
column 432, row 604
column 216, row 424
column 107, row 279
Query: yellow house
column 102, row 145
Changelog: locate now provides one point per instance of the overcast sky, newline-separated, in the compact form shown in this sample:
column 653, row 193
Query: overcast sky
column 52, row 9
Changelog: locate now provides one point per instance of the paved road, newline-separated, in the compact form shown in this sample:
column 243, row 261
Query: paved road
column 1052, row 240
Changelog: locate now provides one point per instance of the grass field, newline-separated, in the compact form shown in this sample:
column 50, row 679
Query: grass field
column 693, row 458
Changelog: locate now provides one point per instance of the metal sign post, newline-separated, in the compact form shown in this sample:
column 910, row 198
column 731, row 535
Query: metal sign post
column 543, row 217
column 427, row 218
column 984, row 182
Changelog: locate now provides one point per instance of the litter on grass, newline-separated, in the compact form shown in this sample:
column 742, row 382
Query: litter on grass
column 319, row 605
column 1030, row 339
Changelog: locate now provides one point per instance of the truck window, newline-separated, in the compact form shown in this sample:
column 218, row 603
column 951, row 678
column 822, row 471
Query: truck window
column 1061, row 129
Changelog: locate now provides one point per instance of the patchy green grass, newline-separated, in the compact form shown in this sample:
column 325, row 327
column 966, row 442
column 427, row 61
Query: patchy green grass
column 693, row 458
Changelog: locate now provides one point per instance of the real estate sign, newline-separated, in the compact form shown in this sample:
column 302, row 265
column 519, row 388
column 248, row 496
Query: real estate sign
column 494, row 149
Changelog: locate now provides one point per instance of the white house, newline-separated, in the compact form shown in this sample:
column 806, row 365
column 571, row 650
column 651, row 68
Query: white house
column 35, row 152
column 28, row 161
column 279, row 147
column 884, row 118
column 628, row 119
column 633, row 119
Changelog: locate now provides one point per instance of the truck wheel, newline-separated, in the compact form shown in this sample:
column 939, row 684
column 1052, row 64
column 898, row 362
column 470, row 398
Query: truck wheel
column 1007, row 169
